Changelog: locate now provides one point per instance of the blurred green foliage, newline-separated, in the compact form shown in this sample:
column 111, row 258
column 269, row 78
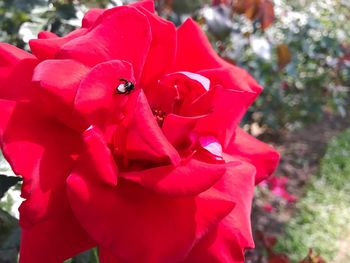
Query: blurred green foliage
column 9, row 238
column 322, row 221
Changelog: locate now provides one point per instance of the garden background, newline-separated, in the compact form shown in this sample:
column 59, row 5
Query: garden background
column 299, row 51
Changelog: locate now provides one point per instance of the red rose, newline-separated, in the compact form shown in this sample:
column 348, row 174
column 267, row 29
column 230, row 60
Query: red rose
column 126, row 134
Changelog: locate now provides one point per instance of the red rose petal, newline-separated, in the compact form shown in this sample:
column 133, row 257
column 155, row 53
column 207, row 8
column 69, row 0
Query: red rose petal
column 47, row 47
column 139, row 226
column 91, row 16
column 123, row 33
column 16, row 69
column 176, row 92
column 105, row 256
column 60, row 78
column 178, row 129
column 212, row 145
column 99, row 153
column 59, row 81
column 10, row 57
column 229, row 106
column 233, row 99
column 46, row 35
column 162, row 97
column 233, row 78
column 204, row 104
column 190, row 87
column 53, row 240
column 7, row 109
column 237, row 71
column 162, row 51
column 221, row 110
column 238, row 182
column 218, row 246
column 144, row 4
column 261, row 155
column 40, row 150
column 145, row 139
column 194, row 51
column 205, row 82
column 227, row 241
column 203, row 57
column 189, row 178
column 97, row 99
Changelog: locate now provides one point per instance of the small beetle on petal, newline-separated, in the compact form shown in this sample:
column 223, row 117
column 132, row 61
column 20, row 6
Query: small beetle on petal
column 125, row 87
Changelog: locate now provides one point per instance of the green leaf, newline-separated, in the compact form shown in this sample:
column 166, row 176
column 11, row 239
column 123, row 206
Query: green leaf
column 6, row 182
column 9, row 238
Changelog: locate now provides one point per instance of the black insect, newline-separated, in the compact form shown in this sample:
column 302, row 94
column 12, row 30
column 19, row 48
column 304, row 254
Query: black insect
column 125, row 87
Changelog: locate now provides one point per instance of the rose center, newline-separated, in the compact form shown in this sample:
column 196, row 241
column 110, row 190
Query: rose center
column 159, row 115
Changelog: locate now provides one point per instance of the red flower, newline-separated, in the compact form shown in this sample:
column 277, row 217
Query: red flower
column 126, row 134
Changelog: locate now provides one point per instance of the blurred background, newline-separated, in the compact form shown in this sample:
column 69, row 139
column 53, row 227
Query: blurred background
column 299, row 51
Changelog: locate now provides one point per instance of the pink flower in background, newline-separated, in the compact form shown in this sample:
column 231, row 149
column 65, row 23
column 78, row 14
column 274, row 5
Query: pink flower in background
column 126, row 134
column 277, row 186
